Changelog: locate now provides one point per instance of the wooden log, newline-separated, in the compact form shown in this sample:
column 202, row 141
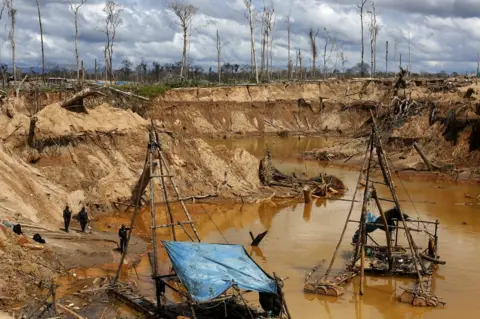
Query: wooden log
column 422, row 155
column 256, row 241
column 71, row 312
column 128, row 93
column 72, row 100
column 433, row 260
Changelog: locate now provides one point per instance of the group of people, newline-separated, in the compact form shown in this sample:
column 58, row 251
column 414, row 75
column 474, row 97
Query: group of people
column 82, row 218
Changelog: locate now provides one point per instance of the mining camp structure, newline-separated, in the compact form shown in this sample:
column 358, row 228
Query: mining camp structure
column 390, row 259
column 211, row 280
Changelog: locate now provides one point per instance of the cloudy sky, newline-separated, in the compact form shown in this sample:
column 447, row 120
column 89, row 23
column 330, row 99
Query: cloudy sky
column 445, row 34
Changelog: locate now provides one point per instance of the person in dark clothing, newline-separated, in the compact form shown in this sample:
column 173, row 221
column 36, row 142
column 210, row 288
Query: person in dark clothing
column 122, row 233
column 67, row 216
column 83, row 218
column 39, row 239
column 17, row 229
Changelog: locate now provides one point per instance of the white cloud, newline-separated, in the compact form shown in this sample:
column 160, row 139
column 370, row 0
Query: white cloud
column 444, row 33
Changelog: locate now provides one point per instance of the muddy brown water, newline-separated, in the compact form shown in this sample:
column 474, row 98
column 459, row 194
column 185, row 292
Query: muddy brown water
column 300, row 236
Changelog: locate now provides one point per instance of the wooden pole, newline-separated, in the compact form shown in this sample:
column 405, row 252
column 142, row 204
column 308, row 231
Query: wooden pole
column 152, row 212
column 329, row 269
column 53, row 288
column 71, row 312
column 162, row 158
column 282, row 296
column 363, row 233
column 422, row 155
column 164, row 186
column 132, row 222
column 243, row 300
column 387, row 230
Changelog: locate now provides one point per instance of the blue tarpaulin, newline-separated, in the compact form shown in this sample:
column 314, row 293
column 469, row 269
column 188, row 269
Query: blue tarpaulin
column 208, row 270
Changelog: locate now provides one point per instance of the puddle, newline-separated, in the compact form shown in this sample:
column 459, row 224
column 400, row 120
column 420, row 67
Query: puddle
column 300, row 236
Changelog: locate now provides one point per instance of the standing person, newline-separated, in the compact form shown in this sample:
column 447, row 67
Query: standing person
column 83, row 218
column 122, row 233
column 67, row 216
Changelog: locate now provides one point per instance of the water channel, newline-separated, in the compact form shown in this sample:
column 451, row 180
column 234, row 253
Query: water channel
column 301, row 236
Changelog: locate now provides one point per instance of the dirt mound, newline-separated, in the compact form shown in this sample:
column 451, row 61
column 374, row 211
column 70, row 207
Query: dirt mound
column 55, row 121
column 24, row 270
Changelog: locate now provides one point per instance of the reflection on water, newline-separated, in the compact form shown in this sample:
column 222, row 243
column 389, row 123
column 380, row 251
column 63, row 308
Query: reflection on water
column 279, row 146
column 300, row 236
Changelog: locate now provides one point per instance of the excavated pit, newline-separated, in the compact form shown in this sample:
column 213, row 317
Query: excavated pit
column 95, row 158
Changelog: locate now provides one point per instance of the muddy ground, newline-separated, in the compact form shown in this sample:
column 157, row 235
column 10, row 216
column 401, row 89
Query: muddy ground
column 95, row 158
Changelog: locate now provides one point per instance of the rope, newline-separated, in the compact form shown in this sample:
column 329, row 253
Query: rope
column 206, row 212
column 409, row 197
column 414, row 207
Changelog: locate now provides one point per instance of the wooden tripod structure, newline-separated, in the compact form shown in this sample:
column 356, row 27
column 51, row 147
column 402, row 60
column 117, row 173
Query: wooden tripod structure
column 155, row 158
column 420, row 266
column 156, row 166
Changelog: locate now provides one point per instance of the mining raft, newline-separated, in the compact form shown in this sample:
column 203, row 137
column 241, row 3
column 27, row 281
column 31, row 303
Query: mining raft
column 369, row 257
column 206, row 280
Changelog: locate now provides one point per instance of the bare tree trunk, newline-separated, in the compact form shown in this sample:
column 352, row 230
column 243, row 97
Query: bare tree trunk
column 409, row 54
column 106, row 64
column 76, row 45
column 371, row 57
column 248, row 4
column 219, row 48
column 262, row 55
column 289, row 65
column 12, row 13
column 96, row 70
column 300, row 59
column 362, row 69
column 296, row 64
column 313, row 47
column 386, row 59
column 373, row 40
column 41, row 38
column 272, row 28
column 184, row 55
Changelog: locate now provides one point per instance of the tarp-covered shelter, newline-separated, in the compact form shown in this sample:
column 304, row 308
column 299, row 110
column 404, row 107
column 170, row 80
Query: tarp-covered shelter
column 208, row 270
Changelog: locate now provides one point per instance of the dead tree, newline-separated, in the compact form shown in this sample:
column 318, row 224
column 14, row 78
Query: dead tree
column 112, row 13
column 289, row 29
column 270, row 28
column 41, row 37
column 361, row 6
column 185, row 14
column 344, row 61
column 313, row 46
column 219, row 54
column 250, row 11
column 326, row 57
column 300, row 62
column 373, row 28
column 263, row 40
column 409, row 54
column 12, row 13
column 386, row 59
column 75, row 8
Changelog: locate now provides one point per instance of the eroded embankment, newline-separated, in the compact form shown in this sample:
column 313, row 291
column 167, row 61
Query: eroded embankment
column 250, row 110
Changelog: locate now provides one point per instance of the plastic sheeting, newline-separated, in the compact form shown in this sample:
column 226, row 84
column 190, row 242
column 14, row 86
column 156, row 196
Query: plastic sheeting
column 208, row 270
